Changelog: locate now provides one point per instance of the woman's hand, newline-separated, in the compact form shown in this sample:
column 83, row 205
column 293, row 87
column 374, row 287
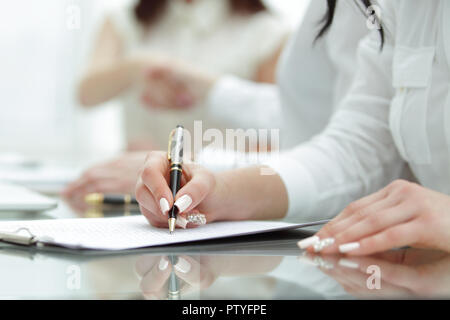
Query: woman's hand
column 401, row 214
column 116, row 176
column 242, row 194
column 171, row 84
column 200, row 191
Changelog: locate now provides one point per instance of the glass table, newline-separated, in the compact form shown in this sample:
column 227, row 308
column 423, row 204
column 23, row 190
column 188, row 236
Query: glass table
column 250, row 267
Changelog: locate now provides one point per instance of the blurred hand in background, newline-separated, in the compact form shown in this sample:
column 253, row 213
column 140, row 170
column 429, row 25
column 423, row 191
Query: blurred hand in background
column 116, row 176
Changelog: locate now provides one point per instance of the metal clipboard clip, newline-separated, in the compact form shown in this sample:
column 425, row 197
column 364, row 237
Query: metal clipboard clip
column 17, row 238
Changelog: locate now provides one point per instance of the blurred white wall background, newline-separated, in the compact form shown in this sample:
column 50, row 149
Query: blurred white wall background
column 42, row 53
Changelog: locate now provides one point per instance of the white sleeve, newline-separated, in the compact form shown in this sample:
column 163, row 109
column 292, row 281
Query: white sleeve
column 245, row 104
column 355, row 155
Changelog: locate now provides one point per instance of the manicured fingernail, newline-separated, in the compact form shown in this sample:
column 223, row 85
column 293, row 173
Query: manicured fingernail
column 163, row 263
column 183, row 265
column 348, row 263
column 183, row 203
column 164, row 205
column 305, row 243
column 319, row 246
column 181, row 222
column 347, row 247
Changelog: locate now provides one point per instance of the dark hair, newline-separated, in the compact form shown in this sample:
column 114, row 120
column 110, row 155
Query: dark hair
column 327, row 19
column 148, row 11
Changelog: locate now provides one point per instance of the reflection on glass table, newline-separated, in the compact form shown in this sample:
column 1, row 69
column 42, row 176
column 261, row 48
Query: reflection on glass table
column 252, row 267
column 396, row 274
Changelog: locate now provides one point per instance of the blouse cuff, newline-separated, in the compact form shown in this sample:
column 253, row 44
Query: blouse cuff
column 300, row 187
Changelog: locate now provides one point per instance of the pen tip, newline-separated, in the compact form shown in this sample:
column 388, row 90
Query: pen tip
column 172, row 222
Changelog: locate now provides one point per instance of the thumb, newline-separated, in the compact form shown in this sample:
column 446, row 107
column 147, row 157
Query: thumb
column 195, row 190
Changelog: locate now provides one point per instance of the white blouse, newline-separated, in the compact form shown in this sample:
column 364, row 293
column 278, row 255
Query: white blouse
column 205, row 33
column 312, row 78
column 397, row 111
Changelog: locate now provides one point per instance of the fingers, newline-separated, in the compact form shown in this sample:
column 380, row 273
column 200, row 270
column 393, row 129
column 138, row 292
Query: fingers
column 158, row 95
column 360, row 219
column 152, row 190
column 371, row 224
column 144, row 264
column 201, row 183
column 361, row 214
column 153, row 283
column 193, row 273
column 103, row 178
column 155, row 271
column 394, row 237
column 155, row 196
column 154, row 219
column 350, row 210
column 167, row 89
column 80, row 189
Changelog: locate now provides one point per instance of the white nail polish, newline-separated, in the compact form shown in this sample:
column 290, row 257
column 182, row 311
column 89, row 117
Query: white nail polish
column 181, row 222
column 347, row 247
column 348, row 263
column 183, row 203
column 163, row 263
column 183, row 265
column 305, row 243
column 319, row 246
column 164, row 205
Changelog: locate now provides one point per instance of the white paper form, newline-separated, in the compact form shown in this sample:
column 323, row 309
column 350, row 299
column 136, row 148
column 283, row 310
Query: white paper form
column 134, row 232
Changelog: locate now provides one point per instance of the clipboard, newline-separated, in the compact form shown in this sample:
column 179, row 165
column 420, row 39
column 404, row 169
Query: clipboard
column 136, row 233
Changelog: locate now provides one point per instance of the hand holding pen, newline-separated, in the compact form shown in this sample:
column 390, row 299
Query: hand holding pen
column 175, row 157
column 197, row 187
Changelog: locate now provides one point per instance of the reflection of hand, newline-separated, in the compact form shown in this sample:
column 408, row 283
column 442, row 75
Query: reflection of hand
column 401, row 214
column 173, row 84
column 155, row 271
column 117, row 176
column 403, row 273
column 196, row 273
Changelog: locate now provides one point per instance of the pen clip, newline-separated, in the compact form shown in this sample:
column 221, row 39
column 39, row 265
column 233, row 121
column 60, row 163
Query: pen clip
column 169, row 149
column 16, row 238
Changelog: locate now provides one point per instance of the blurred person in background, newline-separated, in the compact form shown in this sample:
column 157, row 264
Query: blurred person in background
column 238, row 37
column 207, row 37
column 221, row 36
column 311, row 81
